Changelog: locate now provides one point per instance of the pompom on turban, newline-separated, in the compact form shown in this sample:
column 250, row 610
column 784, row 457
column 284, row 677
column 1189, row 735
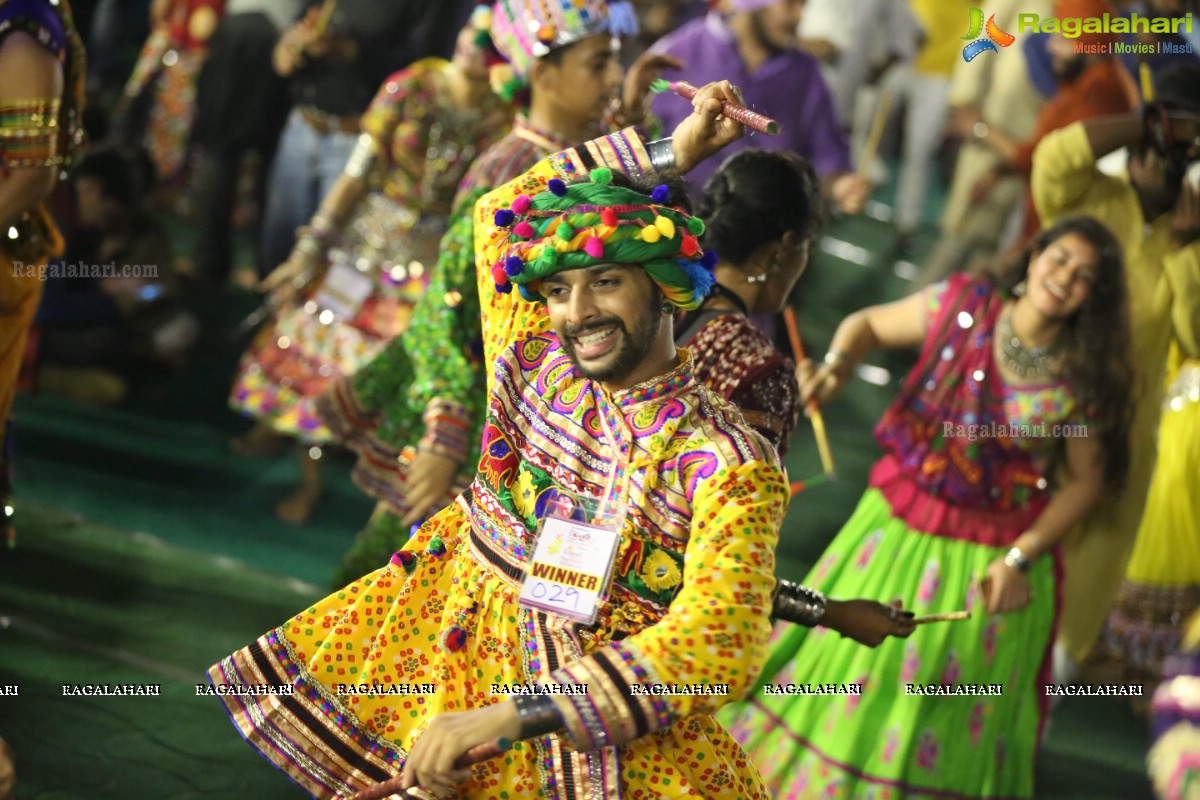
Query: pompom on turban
column 586, row 224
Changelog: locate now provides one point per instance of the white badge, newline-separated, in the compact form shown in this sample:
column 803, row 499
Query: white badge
column 570, row 569
column 344, row 289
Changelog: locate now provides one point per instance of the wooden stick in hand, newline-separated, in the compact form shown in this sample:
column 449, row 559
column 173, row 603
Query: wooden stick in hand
column 814, row 410
column 949, row 616
column 392, row 786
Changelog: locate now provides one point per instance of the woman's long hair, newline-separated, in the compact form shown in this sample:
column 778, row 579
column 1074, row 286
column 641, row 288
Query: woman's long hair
column 1097, row 358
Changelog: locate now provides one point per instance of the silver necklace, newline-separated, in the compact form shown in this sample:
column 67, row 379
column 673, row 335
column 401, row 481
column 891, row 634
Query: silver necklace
column 1025, row 362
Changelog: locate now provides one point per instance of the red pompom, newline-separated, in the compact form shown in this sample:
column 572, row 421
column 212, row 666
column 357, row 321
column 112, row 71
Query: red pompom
column 454, row 639
column 499, row 275
column 608, row 217
column 690, row 245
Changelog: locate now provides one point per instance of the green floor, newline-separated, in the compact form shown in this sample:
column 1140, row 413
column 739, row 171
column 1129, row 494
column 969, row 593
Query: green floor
column 148, row 551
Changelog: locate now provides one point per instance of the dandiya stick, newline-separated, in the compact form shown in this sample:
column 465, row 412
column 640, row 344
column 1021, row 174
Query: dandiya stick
column 800, row 486
column 324, row 16
column 392, row 786
column 876, row 135
column 814, row 410
column 949, row 616
column 739, row 113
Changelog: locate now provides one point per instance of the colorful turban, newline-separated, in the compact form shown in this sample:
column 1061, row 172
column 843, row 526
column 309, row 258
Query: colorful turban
column 525, row 30
column 586, row 224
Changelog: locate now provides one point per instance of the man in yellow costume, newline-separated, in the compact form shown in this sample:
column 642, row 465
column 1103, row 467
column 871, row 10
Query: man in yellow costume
column 655, row 611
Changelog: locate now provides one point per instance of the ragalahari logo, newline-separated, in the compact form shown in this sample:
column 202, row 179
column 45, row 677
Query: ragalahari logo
column 995, row 36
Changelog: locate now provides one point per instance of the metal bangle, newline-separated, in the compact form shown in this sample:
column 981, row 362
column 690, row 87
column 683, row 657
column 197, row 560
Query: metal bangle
column 662, row 155
column 362, row 157
column 799, row 604
column 836, row 358
column 1018, row 560
column 309, row 245
column 537, row 716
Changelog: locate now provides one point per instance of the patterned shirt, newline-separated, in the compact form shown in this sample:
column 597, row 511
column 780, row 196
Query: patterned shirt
column 681, row 631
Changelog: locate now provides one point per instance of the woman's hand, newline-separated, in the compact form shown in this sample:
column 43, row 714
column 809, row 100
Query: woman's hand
column 960, row 122
column 849, row 192
column 1005, row 589
column 821, row 383
column 705, row 131
column 868, row 622
column 290, row 277
column 430, row 477
column 448, row 737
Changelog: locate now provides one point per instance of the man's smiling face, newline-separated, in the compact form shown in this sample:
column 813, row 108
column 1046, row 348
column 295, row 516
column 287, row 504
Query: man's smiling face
column 608, row 318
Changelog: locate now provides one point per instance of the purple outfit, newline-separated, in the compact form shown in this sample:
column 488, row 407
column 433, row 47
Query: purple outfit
column 788, row 88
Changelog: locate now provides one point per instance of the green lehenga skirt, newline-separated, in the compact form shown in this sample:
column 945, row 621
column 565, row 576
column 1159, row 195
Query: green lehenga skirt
column 971, row 732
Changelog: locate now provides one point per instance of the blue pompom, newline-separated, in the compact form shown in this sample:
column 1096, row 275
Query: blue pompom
column 622, row 19
column 528, row 294
column 709, row 260
column 513, row 265
column 660, row 194
column 504, row 288
column 504, row 218
column 557, row 186
column 701, row 278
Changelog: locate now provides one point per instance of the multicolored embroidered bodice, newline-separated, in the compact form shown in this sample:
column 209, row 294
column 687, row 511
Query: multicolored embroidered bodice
column 426, row 143
column 956, row 430
column 550, row 432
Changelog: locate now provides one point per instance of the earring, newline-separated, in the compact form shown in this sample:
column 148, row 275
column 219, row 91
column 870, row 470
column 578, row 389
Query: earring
column 1020, row 288
column 667, row 308
column 756, row 278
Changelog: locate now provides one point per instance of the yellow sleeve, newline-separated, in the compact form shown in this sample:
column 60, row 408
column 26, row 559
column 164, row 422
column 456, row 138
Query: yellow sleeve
column 1182, row 270
column 1064, row 172
column 506, row 317
column 713, row 639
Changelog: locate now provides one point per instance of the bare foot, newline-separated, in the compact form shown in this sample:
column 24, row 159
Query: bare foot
column 300, row 504
column 259, row 442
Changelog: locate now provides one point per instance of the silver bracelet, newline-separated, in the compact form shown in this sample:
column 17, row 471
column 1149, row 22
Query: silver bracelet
column 309, row 245
column 1018, row 560
column 662, row 155
column 835, row 358
column 799, row 604
column 362, row 157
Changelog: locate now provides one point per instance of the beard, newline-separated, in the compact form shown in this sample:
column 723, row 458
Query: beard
column 633, row 349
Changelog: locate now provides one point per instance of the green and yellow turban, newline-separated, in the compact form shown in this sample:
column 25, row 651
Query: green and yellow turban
column 586, row 224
